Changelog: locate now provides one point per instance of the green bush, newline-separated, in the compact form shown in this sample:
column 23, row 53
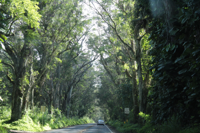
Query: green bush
column 124, row 127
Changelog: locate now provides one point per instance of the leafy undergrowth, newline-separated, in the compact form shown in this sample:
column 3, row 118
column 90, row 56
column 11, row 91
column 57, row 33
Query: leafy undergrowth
column 171, row 126
column 34, row 120
column 124, row 127
column 168, row 127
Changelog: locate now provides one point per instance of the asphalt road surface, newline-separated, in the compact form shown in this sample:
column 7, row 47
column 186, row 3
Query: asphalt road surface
column 87, row 128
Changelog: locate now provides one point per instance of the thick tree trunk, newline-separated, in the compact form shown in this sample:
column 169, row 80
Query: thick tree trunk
column 17, row 100
column 18, row 97
column 19, row 94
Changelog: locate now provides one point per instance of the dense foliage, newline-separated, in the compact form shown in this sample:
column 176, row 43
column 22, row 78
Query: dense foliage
column 175, row 50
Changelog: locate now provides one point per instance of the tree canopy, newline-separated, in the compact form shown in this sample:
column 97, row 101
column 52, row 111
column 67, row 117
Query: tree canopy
column 95, row 58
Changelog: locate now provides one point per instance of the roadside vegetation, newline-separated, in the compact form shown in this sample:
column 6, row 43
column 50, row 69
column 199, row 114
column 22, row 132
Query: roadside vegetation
column 35, row 120
column 172, row 126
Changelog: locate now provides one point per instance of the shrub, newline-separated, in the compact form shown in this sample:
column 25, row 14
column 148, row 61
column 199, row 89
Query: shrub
column 124, row 127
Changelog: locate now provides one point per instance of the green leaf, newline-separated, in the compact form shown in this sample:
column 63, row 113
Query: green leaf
column 182, row 71
column 4, row 37
column 184, row 20
column 58, row 59
column 195, row 52
column 178, row 59
column 1, row 40
column 167, row 48
column 126, row 66
column 173, row 32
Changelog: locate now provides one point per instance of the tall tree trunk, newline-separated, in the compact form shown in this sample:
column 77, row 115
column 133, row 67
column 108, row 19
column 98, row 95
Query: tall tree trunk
column 139, row 68
column 52, row 91
column 20, row 66
column 57, row 88
column 69, row 101
column 19, row 94
column 50, row 103
column 31, row 91
column 60, row 98
column 145, row 89
column 64, row 100
column 135, row 95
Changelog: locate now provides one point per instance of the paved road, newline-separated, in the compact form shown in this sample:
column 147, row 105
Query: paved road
column 87, row 128
column 98, row 129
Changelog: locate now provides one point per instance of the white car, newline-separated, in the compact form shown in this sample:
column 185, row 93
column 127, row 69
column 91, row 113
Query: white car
column 100, row 122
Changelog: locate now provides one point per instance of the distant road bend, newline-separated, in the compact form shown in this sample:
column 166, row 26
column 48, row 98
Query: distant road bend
column 86, row 128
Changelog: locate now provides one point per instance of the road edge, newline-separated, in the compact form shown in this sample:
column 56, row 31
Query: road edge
column 108, row 128
column 113, row 129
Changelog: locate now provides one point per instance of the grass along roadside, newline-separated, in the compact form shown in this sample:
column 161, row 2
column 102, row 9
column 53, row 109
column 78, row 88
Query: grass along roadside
column 36, row 121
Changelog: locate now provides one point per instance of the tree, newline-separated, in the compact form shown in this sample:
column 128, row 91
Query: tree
column 18, row 62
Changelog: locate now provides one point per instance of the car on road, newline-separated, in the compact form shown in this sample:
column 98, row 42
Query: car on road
column 100, row 122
